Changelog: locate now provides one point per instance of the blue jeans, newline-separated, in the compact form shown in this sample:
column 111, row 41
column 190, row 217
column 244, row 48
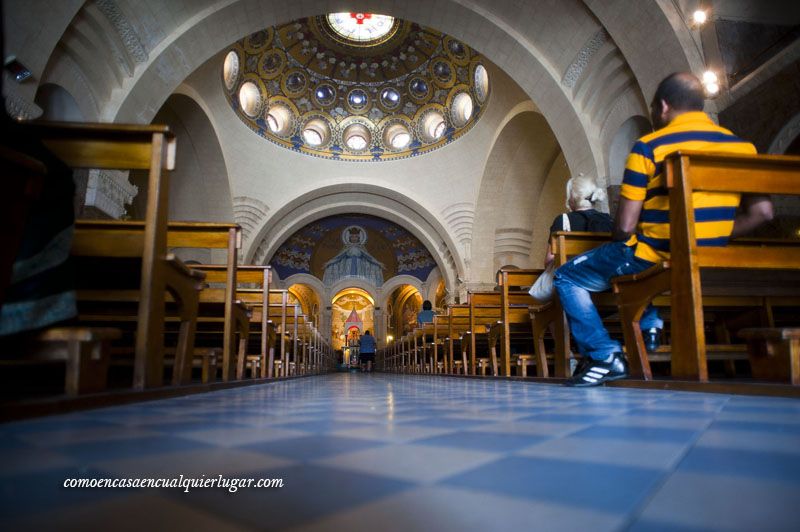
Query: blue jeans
column 591, row 272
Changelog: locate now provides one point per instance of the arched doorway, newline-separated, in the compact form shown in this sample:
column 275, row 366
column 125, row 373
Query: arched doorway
column 353, row 313
column 402, row 308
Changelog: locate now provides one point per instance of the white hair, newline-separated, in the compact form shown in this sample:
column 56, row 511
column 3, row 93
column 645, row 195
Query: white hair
column 584, row 192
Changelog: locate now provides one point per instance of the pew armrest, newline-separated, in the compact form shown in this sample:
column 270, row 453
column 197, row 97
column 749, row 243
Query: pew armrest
column 650, row 272
column 179, row 265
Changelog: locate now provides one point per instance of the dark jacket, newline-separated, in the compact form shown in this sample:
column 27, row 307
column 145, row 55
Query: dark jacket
column 367, row 344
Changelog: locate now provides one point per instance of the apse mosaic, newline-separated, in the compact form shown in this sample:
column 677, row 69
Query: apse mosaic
column 358, row 247
column 355, row 86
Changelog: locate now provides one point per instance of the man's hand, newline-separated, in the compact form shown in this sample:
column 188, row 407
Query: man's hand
column 754, row 211
column 627, row 218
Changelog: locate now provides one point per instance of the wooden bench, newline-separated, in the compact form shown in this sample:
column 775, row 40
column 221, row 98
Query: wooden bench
column 85, row 351
column 134, row 147
column 215, row 302
column 774, row 353
column 685, row 173
column 515, row 303
column 458, row 329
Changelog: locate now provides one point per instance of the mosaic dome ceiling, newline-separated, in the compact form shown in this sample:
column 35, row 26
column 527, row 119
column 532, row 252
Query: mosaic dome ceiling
column 355, row 86
column 353, row 246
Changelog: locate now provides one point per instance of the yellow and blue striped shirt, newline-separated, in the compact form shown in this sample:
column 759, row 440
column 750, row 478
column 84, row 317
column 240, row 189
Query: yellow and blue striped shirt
column 644, row 181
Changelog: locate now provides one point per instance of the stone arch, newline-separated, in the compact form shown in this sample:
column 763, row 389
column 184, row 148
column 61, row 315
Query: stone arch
column 307, row 279
column 199, row 185
column 551, row 203
column 511, row 185
column 58, row 104
column 343, row 284
column 366, row 199
column 624, row 138
column 395, row 282
column 786, row 137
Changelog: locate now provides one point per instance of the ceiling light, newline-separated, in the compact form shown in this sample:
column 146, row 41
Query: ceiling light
column 699, row 17
column 709, row 77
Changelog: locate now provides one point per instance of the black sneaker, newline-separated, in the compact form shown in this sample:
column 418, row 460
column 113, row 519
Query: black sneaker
column 597, row 372
column 652, row 339
column 582, row 364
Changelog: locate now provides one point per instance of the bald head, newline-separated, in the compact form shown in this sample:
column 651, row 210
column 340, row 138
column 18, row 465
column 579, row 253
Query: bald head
column 678, row 93
column 682, row 91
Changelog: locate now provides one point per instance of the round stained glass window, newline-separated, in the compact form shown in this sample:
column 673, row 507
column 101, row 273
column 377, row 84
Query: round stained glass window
column 295, row 82
column 442, row 71
column 361, row 27
column 279, row 120
column 325, row 94
column 230, row 69
column 356, row 137
column 481, row 83
column 457, row 49
column 419, row 87
column 249, row 98
column 433, row 126
column 357, row 99
column 397, row 136
column 462, row 108
column 316, row 132
column 390, row 98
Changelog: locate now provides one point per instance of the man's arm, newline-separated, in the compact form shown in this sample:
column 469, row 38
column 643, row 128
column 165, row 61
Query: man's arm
column 627, row 218
column 755, row 210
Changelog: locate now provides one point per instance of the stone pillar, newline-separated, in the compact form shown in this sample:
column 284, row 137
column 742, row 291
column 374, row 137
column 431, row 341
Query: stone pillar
column 380, row 326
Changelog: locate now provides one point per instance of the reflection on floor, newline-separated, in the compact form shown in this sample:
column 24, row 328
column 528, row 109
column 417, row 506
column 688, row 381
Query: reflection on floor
column 376, row 452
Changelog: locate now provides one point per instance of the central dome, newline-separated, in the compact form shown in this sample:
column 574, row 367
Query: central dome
column 355, row 86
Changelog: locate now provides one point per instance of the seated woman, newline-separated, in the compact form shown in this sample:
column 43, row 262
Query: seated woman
column 583, row 195
column 426, row 314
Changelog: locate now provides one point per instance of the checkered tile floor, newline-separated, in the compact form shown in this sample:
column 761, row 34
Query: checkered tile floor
column 378, row 452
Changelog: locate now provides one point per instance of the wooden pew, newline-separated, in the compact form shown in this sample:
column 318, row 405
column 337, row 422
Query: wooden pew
column 688, row 172
column 515, row 310
column 484, row 314
column 566, row 245
column 134, row 147
column 458, row 322
column 205, row 235
column 241, row 315
column 277, row 304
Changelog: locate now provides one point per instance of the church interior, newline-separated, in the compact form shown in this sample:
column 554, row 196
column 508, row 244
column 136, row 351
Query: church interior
column 209, row 205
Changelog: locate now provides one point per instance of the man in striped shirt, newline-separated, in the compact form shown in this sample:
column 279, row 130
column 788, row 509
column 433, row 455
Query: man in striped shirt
column 641, row 232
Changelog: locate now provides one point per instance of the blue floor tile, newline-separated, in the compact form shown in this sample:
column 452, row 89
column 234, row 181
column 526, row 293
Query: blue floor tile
column 103, row 451
column 311, row 447
column 754, row 426
column 483, row 441
column 309, row 493
column 740, row 463
column 610, row 489
column 650, row 434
